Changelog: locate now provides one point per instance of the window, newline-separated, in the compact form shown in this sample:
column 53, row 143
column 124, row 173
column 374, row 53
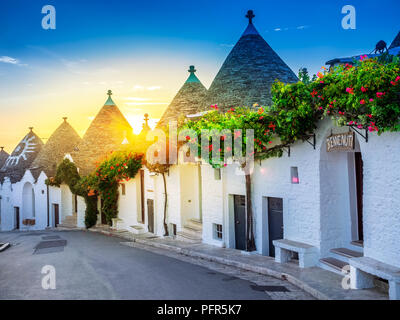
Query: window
column 217, row 231
column 172, row 229
column 294, row 175
column 217, row 174
column 123, row 191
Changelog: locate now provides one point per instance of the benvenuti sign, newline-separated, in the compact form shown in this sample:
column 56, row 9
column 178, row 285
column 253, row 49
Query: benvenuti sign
column 340, row 142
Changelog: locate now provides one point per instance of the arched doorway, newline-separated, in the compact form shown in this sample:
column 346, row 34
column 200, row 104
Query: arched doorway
column 28, row 202
column 341, row 189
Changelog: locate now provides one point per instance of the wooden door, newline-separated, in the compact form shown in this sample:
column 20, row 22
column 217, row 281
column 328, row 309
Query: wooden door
column 359, row 184
column 240, row 222
column 16, row 212
column 103, row 216
column 150, row 215
column 275, row 222
column 56, row 215
column 142, row 195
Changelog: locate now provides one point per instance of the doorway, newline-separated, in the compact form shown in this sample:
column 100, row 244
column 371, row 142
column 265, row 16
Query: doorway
column 275, row 222
column 16, row 214
column 240, row 222
column 142, row 208
column 56, row 214
column 103, row 215
column 150, row 215
column 359, row 188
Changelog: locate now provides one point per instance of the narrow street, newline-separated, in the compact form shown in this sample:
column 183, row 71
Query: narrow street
column 94, row 266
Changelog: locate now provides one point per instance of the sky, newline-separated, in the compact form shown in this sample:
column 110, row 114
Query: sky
column 141, row 50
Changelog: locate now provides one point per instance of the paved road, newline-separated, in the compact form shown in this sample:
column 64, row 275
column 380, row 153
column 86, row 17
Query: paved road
column 94, row 266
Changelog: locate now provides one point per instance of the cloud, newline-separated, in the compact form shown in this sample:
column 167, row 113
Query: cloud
column 10, row 60
column 136, row 99
column 290, row 28
column 301, row 27
column 141, row 88
column 153, row 88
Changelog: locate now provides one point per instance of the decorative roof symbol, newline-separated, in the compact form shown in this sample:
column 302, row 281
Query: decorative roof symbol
column 192, row 77
column 109, row 101
column 250, row 15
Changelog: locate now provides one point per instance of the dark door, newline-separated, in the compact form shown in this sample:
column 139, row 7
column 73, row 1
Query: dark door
column 103, row 216
column 359, row 184
column 16, row 211
column 142, row 195
column 56, row 214
column 150, row 215
column 275, row 222
column 240, row 222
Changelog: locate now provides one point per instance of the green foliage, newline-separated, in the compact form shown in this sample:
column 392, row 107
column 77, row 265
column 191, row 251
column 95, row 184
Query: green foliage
column 365, row 94
column 91, row 211
column 118, row 166
column 67, row 173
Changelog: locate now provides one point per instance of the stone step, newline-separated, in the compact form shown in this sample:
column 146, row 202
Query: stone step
column 195, row 223
column 358, row 243
column 333, row 263
column 193, row 231
column 347, row 252
column 184, row 236
column 136, row 229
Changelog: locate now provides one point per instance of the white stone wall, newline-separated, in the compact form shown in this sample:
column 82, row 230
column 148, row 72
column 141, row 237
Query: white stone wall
column 381, row 158
column 80, row 215
column 66, row 202
column 212, row 204
column 7, row 207
column 129, row 204
column 54, row 198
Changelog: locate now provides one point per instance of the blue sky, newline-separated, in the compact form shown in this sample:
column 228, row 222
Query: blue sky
column 124, row 44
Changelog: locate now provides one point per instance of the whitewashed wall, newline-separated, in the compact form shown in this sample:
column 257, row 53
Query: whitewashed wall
column 7, row 206
column 54, row 198
column 212, row 203
column 381, row 158
column 80, row 216
column 129, row 204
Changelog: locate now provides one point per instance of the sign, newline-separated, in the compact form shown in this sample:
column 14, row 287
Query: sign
column 340, row 142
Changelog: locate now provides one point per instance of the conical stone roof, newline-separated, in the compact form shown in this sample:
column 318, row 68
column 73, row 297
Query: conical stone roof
column 22, row 157
column 396, row 42
column 3, row 157
column 108, row 131
column 188, row 100
column 248, row 73
column 64, row 140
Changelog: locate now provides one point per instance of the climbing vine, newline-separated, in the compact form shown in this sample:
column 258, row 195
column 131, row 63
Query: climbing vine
column 118, row 166
column 67, row 173
column 364, row 94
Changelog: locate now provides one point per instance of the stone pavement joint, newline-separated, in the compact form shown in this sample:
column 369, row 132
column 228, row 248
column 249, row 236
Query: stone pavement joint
column 319, row 283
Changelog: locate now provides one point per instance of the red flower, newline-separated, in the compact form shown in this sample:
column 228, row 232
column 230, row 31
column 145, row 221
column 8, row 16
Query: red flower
column 314, row 93
column 380, row 94
column 363, row 89
column 350, row 90
column 362, row 101
column 187, row 138
column 111, row 167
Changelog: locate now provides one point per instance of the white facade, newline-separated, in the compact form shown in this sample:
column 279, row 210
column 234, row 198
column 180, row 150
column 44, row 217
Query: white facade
column 322, row 209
